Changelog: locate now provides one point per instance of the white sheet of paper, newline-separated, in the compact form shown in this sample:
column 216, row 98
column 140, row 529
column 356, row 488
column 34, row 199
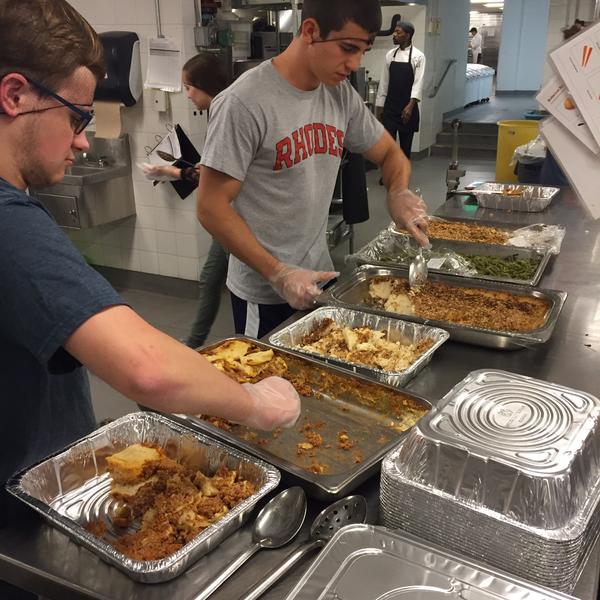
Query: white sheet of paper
column 578, row 62
column 554, row 97
column 164, row 64
column 578, row 163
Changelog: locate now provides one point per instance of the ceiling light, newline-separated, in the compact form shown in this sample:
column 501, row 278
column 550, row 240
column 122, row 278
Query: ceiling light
column 478, row 1
column 494, row 5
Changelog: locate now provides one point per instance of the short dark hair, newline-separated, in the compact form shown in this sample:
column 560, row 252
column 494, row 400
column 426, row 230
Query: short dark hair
column 332, row 15
column 47, row 40
column 206, row 72
column 406, row 27
column 473, row 29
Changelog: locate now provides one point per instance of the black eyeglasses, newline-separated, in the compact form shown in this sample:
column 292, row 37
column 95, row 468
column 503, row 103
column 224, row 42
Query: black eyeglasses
column 80, row 119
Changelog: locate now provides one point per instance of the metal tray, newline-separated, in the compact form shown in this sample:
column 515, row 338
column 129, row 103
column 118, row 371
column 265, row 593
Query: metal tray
column 352, row 291
column 370, row 412
column 363, row 562
column 396, row 329
column 530, row 198
column 403, row 251
column 72, row 488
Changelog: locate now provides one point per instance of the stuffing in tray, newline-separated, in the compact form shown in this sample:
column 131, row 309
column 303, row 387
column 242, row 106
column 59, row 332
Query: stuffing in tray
column 467, row 232
column 472, row 307
column 363, row 346
column 171, row 503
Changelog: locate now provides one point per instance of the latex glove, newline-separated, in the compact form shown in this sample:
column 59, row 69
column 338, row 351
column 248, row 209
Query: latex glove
column 160, row 172
column 275, row 403
column 298, row 286
column 409, row 212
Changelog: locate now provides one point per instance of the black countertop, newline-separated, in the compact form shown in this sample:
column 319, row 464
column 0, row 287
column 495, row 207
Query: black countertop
column 41, row 559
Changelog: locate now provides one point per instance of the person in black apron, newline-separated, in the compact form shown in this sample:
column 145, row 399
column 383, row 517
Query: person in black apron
column 401, row 111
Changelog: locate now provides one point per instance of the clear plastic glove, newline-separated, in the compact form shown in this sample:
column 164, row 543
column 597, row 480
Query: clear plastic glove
column 160, row 172
column 409, row 212
column 298, row 286
column 275, row 404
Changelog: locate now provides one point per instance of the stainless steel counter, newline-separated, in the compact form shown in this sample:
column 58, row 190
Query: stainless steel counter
column 43, row 560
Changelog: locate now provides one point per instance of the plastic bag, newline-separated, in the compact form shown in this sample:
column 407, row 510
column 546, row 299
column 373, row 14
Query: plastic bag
column 539, row 237
column 531, row 153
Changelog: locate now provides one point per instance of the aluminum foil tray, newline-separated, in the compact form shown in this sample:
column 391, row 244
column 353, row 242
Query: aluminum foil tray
column 389, row 249
column 291, row 336
column 71, row 488
column 352, row 292
column 363, row 562
column 503, row 461
column 333, row 400
column 521, row 198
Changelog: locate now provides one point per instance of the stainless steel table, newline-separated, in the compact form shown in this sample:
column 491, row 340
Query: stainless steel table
column 43, row 560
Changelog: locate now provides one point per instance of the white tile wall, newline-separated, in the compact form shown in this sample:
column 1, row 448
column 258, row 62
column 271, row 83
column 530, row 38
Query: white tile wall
column 164, row 237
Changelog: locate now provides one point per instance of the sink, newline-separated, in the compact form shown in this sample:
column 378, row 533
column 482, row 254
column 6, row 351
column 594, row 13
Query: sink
column 89, row 174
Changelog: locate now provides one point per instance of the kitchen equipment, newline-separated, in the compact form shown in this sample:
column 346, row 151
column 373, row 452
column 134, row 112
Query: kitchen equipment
column 363, row 562
column 517, row 197
column 352, row 292
column 170, row 158
column 72, row 488
column 417, row 270
column 503, row 461
column 291, row 337
column 356, row 422
column 329, row 521
column 276, row 524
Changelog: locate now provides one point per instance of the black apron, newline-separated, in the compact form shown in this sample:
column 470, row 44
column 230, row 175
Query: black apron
column 400, row 85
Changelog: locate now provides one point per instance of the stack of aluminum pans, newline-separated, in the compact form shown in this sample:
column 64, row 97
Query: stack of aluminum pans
column 505, row 469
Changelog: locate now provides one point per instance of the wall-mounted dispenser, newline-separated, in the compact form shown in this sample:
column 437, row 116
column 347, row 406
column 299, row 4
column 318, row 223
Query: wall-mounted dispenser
column 123, row 81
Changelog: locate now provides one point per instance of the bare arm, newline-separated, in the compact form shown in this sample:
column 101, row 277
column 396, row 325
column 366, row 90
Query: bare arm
column 406, row 209
column 216, row 192
column 156, row 371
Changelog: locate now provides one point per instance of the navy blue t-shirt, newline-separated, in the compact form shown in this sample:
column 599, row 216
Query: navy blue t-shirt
column 47, row 291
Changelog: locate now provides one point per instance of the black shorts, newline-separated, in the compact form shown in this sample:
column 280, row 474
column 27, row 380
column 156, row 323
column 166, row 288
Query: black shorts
column 256, row 320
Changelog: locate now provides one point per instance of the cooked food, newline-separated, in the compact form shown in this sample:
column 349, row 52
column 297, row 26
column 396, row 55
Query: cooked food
column 363, row 346
column 488, row 309
column 468, row 232
column 168, row 503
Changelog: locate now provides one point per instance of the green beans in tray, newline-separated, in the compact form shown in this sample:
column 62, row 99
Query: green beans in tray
column 510, row 267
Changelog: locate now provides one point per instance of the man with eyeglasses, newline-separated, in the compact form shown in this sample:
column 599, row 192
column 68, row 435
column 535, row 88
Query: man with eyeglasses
column 57, row 314
column 271, row 157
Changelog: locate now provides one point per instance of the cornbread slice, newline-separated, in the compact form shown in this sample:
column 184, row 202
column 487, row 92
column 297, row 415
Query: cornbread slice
column 128, row 466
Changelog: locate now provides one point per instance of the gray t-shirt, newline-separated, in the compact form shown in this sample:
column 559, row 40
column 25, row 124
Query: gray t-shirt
column 285, row 146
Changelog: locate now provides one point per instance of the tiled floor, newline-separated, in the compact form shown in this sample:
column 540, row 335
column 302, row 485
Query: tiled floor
column 174, row 315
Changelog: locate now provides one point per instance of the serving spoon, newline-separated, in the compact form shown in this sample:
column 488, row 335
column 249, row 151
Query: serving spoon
column 276, row 524
column 170, row 158
column 417, row 270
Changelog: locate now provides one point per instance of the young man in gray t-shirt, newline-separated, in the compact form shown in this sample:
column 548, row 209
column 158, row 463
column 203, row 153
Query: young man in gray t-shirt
column 274, row 145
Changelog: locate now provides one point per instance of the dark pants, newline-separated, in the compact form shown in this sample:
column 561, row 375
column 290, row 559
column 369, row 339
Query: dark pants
column 256, row 320
column 405, row 137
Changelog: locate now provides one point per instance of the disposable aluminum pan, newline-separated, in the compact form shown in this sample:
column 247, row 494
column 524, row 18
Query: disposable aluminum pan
column 374, row 416
column 352, row 292
column 388, row 249
column 363, row 562
column 291, row 337
column 503, row 461
column 72, row 488
column 521, row 198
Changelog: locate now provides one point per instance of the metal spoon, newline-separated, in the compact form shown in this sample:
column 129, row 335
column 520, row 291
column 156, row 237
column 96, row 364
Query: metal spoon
column 417, row 270
column 276, row 524
column 170, row 158
column 352, row 509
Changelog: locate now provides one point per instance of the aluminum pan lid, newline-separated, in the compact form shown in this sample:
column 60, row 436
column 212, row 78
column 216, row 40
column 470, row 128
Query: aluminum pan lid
column 363, row 562
column 522, row 447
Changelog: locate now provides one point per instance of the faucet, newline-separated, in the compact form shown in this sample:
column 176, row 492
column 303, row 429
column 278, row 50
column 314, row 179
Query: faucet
column 103, row 161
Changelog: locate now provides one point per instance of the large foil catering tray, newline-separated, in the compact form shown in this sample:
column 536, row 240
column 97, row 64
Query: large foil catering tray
column 389, row 249
column 352, row 292
column 373, row 415
column 503, row 461
column 364, row 562
column 291, row 336
column 514, row 197
column 72, row 488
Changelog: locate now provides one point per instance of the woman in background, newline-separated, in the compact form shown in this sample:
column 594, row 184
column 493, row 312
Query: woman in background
column 204, row 76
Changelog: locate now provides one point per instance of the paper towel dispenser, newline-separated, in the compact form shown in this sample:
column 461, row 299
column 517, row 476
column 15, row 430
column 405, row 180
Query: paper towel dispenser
column 123, row 81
